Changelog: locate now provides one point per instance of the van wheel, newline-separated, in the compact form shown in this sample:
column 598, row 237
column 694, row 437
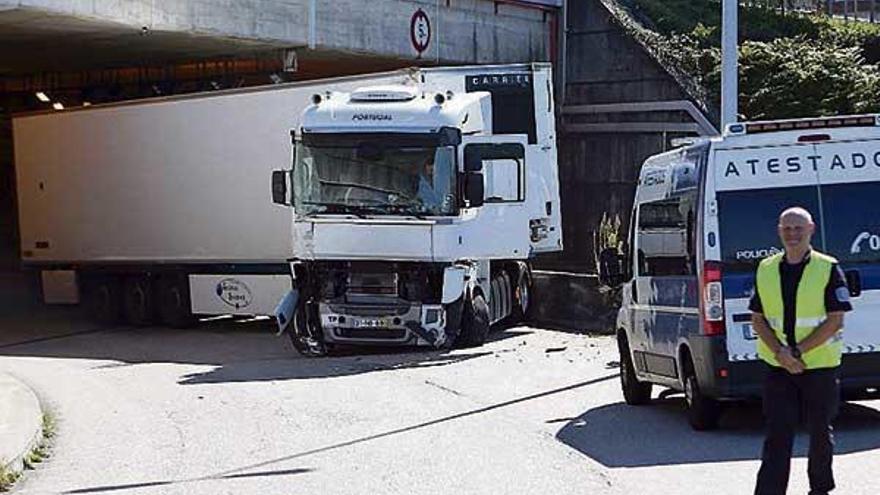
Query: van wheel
column 703, row 412
column 175, row 309
column 103, row 300
column 635, row 393
column 137, row 300
column 474, row 322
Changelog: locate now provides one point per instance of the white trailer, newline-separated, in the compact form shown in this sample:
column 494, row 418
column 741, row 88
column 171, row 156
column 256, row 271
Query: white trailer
column 416, row 208
column 159, row 207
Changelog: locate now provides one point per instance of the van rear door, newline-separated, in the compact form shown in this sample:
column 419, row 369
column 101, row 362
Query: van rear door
column 849, row 178
column 752, row 186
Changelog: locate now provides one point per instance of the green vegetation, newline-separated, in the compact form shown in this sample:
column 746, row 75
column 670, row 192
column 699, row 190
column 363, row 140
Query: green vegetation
column 791, row 64
column 34, row 457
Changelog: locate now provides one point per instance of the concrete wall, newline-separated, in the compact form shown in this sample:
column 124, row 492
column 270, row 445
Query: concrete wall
column 473, row 31
column 599, row 170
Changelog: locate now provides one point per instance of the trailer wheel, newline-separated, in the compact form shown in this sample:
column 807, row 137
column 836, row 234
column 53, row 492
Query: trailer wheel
column 474, row 322
column 103, row 300
column 137, row 300
column 174, row 302
column 703, row 412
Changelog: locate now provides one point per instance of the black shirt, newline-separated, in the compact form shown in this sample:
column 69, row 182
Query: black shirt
column 836, row 294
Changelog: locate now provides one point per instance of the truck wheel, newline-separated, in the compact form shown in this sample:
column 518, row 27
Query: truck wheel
column 522, row 297
column 474, row 322
column 174, row 302
column 299, row 336
column 453, row 321
column 137, row 300
column 635, row 393
column 103, row 300
column 703, row 412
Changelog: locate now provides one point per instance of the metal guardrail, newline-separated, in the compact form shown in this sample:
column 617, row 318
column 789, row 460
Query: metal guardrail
column 849, row 10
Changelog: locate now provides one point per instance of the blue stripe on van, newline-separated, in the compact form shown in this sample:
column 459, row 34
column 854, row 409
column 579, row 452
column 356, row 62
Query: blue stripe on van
column 738, row 285
column 741, row 285
column 869, row 273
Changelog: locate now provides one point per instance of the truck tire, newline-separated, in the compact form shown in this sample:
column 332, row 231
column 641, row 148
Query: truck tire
column 299, row 333
column 635, row 393
column 474, row 322
column 454, row 312
column 175, row 309
column 103, row 300
column 522, row 297
column 137, row 300
column 703, row 412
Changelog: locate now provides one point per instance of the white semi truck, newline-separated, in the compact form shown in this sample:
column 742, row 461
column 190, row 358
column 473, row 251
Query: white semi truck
column 417, row 207
column 159, row 208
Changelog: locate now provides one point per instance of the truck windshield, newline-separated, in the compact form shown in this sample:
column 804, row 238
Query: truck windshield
column 375, row 179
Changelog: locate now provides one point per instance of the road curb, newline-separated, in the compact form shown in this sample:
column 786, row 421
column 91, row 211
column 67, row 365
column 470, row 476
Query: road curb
column 21, row 422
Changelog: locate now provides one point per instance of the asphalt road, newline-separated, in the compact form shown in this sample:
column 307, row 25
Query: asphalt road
column 229, row 408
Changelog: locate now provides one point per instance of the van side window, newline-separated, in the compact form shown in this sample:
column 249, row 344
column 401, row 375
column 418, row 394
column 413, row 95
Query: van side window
column 665, row 237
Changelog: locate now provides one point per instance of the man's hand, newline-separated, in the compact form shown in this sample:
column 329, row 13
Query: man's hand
column 792, row 364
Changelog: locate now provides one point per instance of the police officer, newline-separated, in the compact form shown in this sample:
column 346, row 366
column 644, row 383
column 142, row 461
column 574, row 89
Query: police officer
column 797, row 312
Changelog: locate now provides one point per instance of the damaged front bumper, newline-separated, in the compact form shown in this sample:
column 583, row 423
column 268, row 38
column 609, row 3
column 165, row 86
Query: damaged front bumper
column 413, row 324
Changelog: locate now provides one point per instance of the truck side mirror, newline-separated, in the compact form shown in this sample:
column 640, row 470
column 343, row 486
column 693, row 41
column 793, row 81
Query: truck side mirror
column 473, row 159
column 474, row 190
column 611, row 267
column 279, row 188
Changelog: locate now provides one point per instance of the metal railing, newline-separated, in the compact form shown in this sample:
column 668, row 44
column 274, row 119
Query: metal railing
column 851, row 10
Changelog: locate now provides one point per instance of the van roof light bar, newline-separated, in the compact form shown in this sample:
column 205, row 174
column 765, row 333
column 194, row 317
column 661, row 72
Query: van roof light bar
column 803, row 124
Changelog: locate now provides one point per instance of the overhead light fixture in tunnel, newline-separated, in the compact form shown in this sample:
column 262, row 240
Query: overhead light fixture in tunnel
column 58, row 106
column 42, row 97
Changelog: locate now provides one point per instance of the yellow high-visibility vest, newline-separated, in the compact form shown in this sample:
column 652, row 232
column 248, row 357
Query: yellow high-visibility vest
column 810, row 308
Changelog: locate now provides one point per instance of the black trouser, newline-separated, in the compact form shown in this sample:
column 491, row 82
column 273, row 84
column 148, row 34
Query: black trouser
column 816, row 394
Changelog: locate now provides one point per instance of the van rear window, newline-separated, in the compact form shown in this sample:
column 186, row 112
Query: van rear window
column 852, row 221
column 748, row 220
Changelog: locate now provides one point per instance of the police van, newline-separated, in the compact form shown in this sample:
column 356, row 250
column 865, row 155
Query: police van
column 704, row 216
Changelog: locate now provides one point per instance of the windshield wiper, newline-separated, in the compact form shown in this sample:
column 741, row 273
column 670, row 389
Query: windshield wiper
column 344, row 208
column 406, row 210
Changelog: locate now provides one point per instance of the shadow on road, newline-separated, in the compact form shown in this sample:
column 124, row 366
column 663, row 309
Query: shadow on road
column 617, row 435
column 240, row 349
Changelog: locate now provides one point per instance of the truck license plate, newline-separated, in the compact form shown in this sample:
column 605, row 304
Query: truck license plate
column 369, row 323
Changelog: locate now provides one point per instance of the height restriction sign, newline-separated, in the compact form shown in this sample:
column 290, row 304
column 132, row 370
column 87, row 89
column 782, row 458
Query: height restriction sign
column 420, row 31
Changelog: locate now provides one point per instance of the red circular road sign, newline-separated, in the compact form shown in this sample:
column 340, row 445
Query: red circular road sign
column 420, row 31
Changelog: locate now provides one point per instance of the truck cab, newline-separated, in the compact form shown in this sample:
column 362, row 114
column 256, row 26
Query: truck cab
column 703, row 218
column 416, row 208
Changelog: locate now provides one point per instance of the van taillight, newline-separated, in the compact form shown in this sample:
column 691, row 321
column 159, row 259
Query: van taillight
column 713, row 299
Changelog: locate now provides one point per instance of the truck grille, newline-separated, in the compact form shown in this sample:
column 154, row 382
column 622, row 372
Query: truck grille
column 373, row 283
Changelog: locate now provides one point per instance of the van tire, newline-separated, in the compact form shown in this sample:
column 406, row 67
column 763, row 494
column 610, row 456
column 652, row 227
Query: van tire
column 703, row 412
column 635, row 393
column 474, row 322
